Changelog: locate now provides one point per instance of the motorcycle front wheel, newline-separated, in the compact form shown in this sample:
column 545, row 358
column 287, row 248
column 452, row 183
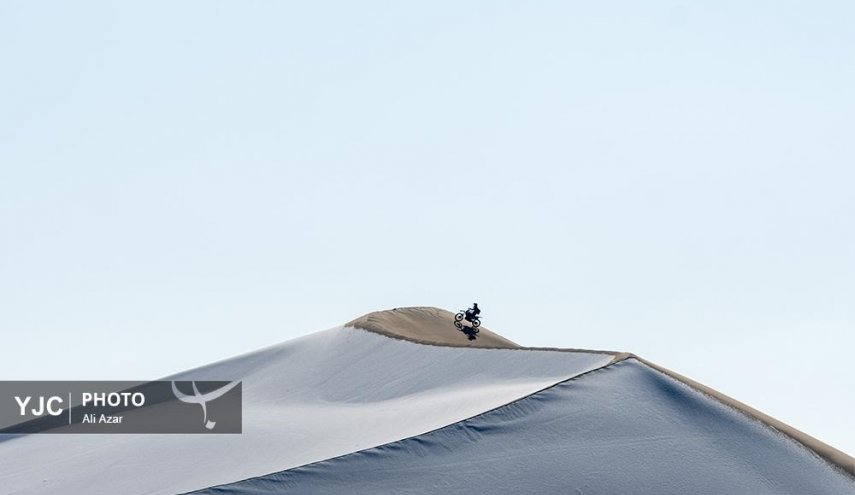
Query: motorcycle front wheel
column 459, row 316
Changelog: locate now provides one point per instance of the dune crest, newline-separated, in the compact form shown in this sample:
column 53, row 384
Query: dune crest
column 427, row 325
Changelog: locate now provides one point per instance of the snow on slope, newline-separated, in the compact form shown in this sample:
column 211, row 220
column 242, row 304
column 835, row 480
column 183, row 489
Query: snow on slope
column 622, row 429
column 313, row 398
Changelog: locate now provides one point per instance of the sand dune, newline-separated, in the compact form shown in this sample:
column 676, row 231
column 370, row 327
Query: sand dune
column 401, row 401
column 624, row 428
column 316, row 397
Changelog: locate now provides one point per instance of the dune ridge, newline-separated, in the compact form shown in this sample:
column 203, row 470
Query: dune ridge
column 434, row 326
column 835, row 457
column 427, row 325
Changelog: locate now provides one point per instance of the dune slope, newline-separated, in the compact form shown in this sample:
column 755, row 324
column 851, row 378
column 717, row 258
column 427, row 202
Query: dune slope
column 313, row 398
column 625, row 428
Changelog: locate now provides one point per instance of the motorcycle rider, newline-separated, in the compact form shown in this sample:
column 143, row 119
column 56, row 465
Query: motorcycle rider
column 473, row 312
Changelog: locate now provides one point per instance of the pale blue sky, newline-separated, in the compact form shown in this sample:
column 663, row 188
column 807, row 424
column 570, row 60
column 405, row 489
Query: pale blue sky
column 184, row 181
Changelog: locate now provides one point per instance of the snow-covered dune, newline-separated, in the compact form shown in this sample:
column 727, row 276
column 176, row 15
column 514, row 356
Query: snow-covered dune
column 625, row 428
column 309, row 399
column 400, row 401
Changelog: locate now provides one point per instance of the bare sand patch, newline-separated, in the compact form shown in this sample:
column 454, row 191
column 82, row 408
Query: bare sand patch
column 427, row 326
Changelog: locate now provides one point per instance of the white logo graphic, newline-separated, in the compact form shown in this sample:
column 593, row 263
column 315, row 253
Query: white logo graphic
column 202, row 399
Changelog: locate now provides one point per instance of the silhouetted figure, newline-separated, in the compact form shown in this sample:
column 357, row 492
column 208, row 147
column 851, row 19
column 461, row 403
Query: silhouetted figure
column 473, row 312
